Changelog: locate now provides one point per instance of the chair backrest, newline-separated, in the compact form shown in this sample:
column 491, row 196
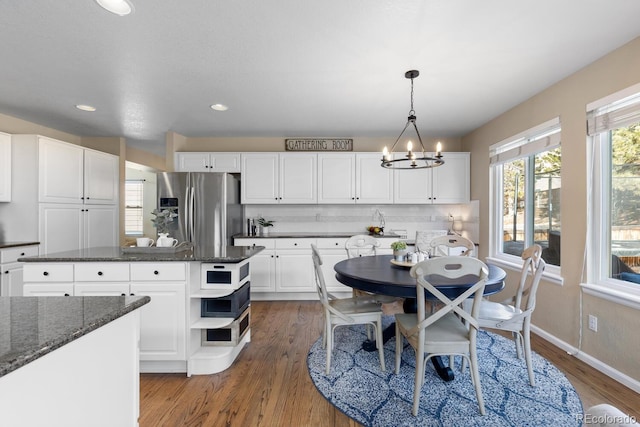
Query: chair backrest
column 361, row 245
column 441, row 244
column 424, row 238
column 320, row 283
column 535, row 265
column 450, row 270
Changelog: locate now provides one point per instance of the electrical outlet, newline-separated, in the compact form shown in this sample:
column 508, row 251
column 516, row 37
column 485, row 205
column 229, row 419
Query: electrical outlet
column 593, row 323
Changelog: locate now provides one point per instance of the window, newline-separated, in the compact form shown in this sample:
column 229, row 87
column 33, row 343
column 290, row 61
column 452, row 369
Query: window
column 134, row 193
column 526, row 184
column 614, row 216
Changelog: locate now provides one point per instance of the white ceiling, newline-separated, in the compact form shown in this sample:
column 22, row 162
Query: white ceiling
column 292, row 68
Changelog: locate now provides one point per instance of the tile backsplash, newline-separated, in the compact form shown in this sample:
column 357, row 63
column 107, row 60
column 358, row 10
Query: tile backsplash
column 462, row 218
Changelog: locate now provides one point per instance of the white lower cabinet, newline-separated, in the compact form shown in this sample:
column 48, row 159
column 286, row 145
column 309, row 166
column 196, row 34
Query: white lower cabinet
column 283, row 270
column 11, row 274
column 162, row 321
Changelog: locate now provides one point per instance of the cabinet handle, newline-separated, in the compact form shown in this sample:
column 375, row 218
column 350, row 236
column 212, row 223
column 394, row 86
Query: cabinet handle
column 123, row 295
column 6, row 272
column 280, row 198
column 99, row 273
column 81, row 198
column 46, row 273
column 66, row 294
column 132, row 294
column 271, row 256
column 295, row 244
column 156, row 272
column 276, row 198
column 277, row 256
column 88, row 198
column 336, row 243
column 22, row 254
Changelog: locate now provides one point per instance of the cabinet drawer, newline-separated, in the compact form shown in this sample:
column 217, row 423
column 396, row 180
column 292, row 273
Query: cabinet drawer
column 337, row 243
column 295, row 243
column 267, row 243
column 12, row 254
column 101, row 272
column 174, row 271
column 49, row 272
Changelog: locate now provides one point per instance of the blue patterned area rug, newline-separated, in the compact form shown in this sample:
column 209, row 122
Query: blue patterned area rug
column 357, row 387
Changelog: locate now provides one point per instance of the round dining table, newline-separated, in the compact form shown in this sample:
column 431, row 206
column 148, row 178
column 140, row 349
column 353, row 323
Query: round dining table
column 377, row 274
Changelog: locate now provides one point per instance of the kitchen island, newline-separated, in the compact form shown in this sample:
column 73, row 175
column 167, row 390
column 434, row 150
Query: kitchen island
column 198, row 318
column 69, row 361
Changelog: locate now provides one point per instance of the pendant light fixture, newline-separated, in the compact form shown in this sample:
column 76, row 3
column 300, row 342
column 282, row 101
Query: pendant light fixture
column 413, row 159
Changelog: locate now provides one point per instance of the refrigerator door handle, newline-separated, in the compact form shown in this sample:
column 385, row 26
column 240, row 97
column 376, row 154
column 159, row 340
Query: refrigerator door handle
column 187, row 213
column 192, row 218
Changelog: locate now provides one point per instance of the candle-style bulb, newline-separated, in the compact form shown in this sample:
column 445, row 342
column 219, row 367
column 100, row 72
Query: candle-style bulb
column 409, row 146
column 385, row 153
column 439, row 147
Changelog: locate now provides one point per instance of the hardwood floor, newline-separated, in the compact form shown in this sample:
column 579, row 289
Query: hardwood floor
column 269, row 384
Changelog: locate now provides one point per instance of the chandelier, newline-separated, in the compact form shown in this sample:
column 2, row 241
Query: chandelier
column 411, row 160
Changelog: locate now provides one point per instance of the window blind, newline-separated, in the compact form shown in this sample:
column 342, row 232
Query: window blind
column 614, row 115
column 525, row 146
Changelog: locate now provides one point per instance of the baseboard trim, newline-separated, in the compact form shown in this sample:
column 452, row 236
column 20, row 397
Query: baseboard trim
column 612, row 373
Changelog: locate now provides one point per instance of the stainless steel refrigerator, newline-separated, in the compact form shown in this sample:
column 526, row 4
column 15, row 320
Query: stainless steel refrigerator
column 207, row 204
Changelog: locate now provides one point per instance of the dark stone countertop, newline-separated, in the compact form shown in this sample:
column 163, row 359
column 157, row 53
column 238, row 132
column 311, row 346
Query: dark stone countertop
column 227, row 254
column 34, row 326
column 311, row 235
column 4, row 245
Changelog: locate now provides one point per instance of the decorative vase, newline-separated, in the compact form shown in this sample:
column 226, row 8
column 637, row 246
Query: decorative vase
column 265, row 231
column 399, row 254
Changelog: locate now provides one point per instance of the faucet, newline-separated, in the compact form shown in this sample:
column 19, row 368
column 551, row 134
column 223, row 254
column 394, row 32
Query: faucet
column 380, row 216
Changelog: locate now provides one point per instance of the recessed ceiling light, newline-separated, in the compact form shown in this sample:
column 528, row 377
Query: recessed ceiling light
column 219, row 107
column 119, row 7
column 85, row 107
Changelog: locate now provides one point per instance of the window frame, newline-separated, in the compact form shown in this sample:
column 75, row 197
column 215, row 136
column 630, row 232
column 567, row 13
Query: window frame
column 598, row 252
column 140, row 183
column 527, row 145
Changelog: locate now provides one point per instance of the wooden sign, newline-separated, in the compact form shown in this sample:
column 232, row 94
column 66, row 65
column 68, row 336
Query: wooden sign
column 310, row 144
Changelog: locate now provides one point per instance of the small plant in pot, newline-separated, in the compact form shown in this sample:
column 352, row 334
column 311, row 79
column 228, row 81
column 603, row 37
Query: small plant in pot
column 399, row 250
column 265, row 224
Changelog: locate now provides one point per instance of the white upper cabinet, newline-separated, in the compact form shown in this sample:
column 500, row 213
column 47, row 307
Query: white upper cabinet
column 271, row 178
column 101, row 177
column 353, row 178
column 71, row 174
column 207, row 162
column 446, row 184
column 60, row 171
column 5, row 167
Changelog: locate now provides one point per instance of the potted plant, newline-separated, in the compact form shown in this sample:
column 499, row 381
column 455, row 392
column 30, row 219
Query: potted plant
column 162, row 220
column 399, row 250
column 264, row 225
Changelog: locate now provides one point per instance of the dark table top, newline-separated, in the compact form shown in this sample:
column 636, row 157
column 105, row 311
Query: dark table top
column 376, row 274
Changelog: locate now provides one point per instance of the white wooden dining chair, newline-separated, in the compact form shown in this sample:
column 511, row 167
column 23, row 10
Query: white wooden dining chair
column 345, row 312
column 424, row 238
column 450, row 330
column 510, row 315
column 441, row 245
column 365, row 245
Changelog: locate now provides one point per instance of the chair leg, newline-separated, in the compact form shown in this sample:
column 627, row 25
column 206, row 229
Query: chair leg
column 518, row 341
column 418, row 380
column 329, row 335
column 527, row 355
column 398, row 348
column 475, row 376
column 380, row 343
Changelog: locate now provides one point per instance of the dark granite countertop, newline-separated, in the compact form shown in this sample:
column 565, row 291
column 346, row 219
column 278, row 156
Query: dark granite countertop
column 227, row 254
column 311, row 234
column 4, row 245
column 34, row 326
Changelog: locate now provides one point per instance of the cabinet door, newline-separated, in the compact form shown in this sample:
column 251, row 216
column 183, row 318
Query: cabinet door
column 48, row 289
column 294, row 271
column 5, row 167
column 11, row 280
column 100, row 226
column 263, row 272
column 224, row 162
column 192, row 162
column 162, row 321
column 336, row 178
column 411, row 186
column 374, row 184
column 101, row 177
column 60, row 227
column 298, row 178
column 60, row 171
column 451, row 181
column 259, row 178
